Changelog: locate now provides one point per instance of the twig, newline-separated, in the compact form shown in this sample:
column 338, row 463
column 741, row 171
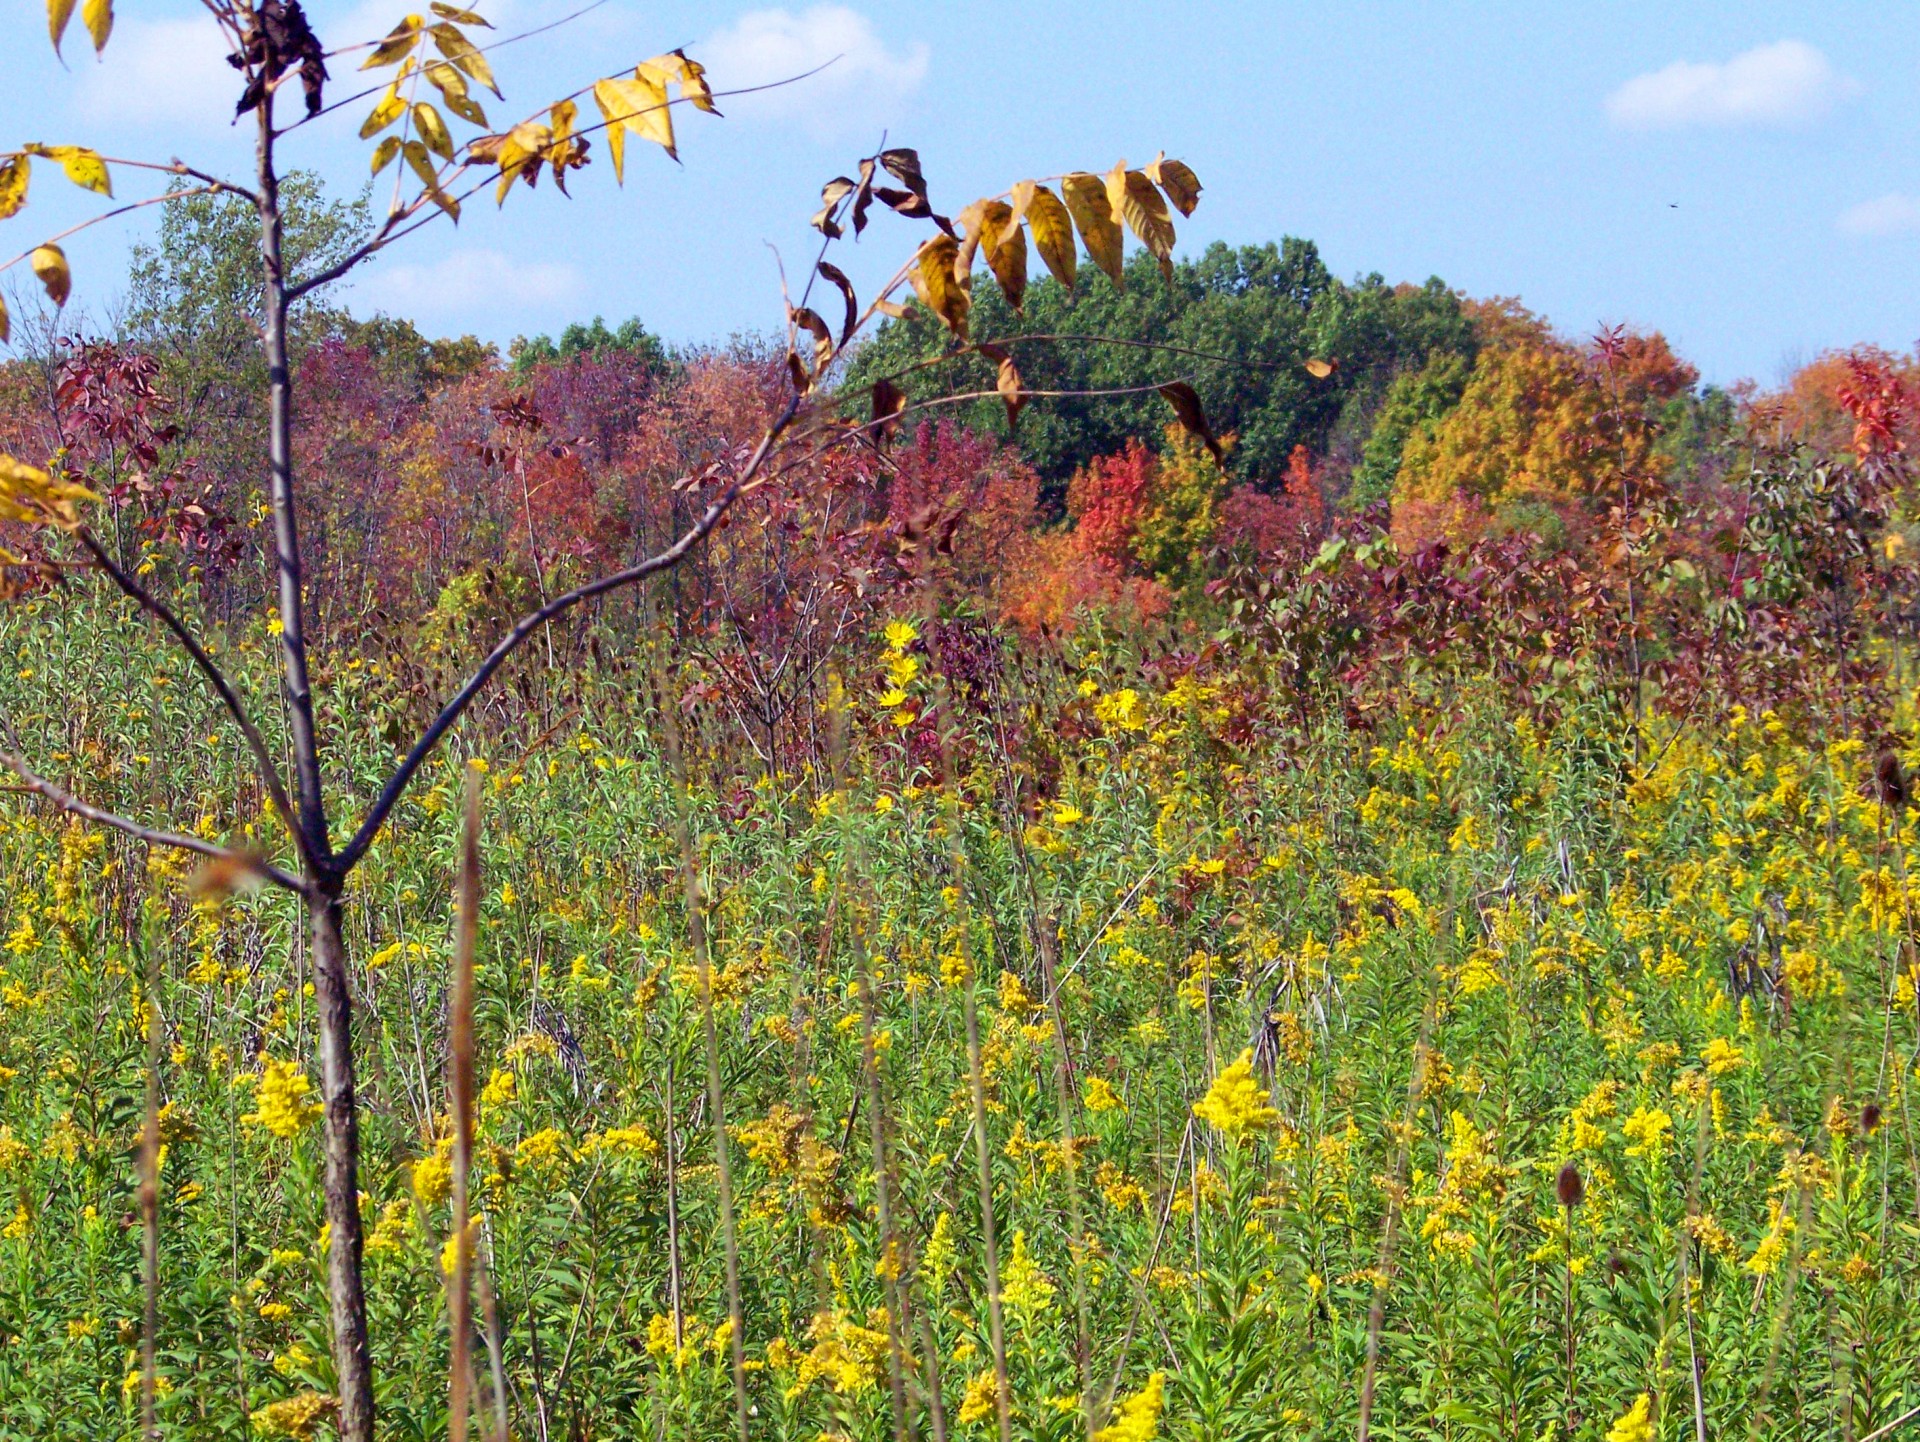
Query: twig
column 40, row 786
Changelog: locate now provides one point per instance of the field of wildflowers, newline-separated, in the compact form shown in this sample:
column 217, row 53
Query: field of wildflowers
column 1468, row 1074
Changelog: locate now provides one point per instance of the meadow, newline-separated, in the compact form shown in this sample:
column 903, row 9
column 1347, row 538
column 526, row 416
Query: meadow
column 1478, row 1074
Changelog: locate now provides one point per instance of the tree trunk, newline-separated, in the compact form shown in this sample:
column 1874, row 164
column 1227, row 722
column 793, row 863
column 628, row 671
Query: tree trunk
column 348, row 1301
column 353, row 1370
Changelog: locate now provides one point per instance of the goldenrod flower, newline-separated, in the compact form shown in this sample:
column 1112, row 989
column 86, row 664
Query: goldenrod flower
column 1138, row 1419
column 1100, row 1095
column 981, row 1397
column 1235, row 1103
column 284, row 1101
column 1647, row 1128
column 1025, row 1290
column 296, row 1417
column 1634, row 1424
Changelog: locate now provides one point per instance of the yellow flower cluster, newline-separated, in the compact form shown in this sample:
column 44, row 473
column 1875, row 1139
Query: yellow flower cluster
column 1138, row 1418
column 284, row 1103
column 1236, row 1103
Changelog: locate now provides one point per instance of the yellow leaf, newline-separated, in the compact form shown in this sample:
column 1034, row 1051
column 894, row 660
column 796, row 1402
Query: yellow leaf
column 15, row 171
column 970, row 220
column 1176, row 177
column 59, row 12
column 457, row 48
column 464, row 17
column 1052, row 231
column 6, row 325
column 384, row 152
column 1087, row 201
column 98, row 15
column 398, row 44
column 513, row 152
column 390, row 109
column 432, row 130
column 31, row 496
column 639, row 105
column 692, row 77
column 84, row 168
column 415, row 154
column 1321, row 369
column 452, row 86
column 1145, row 213
column 1006, row 247
column 50, row 264
column 936, row 285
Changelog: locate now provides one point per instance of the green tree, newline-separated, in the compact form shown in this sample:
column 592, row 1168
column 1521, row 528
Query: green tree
column 630, row 338
column 1249, row 319
column 194, row 300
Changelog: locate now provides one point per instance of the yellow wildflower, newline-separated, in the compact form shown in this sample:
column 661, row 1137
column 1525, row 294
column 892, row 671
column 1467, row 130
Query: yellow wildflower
column 979, row 1402
column 1235, row 1103
column 284, row 1101
column 296, row 1417
column 1138, row 1419
column 1025, row 1290
column 1100, row 1096
column 1634, row 1424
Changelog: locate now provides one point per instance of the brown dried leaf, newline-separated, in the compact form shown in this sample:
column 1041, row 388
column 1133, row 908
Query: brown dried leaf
column 838, row 277
column 888, row 402
column 1193, row 419
column 1177, row 179
column 1007, row 382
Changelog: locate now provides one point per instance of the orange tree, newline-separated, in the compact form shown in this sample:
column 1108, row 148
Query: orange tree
column 428, row 73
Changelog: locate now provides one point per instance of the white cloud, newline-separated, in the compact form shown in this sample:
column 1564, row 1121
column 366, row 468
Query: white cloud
column 1892, row 214
column 863, row 81
column 159, row 71
column 464, row 287
column 1787, row 83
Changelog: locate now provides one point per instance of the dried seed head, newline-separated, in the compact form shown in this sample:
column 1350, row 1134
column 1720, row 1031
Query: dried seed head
column 1891, row 784
column 1570, row 1187
column 1869, row 1119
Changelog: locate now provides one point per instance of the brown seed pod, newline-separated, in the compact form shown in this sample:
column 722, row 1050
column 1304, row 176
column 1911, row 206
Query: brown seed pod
column 1570, row 1187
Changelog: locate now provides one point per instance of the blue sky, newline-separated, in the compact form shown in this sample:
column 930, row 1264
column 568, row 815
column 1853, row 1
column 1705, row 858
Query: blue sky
column 1744, row 177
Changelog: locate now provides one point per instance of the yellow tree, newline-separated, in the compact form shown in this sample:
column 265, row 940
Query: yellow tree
column 1542, row 435
column 428, row 75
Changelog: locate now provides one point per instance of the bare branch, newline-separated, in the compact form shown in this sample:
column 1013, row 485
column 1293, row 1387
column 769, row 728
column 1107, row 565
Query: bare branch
column 393, row 229
column 349, row 856
column 66, row 801
column 269, row 773
column 117, row 211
